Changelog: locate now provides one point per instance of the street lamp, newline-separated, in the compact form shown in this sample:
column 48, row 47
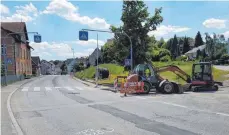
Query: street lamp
column 5, row 47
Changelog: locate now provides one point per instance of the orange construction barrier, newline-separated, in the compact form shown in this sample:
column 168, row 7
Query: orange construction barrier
column 132, row 87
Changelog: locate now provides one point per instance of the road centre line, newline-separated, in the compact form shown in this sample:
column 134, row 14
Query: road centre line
column 199, row 110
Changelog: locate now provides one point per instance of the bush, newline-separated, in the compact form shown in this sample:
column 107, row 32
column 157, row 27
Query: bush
column 103, row 73
column 114, row 62
column 127, row 68
column 181, row 58
column 207, row 59
column 164, row 52
column 225, row 57
column 165, row 58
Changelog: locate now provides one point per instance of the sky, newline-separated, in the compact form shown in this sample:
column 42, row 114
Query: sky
column 59, row 22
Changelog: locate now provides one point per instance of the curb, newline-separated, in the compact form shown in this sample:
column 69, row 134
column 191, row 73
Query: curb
column 92, row 85
column 14, row 121
column 84, row 82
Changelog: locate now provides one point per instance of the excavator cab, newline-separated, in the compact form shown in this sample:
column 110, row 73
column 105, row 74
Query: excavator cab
column 146, row 72
column 202, row 77
column 202, row 72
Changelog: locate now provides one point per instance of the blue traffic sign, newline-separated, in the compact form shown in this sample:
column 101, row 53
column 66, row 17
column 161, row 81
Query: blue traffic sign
column 3, row 50
column 83, row 35
column 9, row 61
column 37, row 38
column 127, row 62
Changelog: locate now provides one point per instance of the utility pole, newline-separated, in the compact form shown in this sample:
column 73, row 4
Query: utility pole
column 123, row 32
column 73, row 53
column 97, row 68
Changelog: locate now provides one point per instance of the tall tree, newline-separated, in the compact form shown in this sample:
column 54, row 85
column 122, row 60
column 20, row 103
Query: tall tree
column 161, row 42
column 186, row 45
column 137, row 24
column 174, row 49
column 210, row 46
column 216, row 46
column 198, row 40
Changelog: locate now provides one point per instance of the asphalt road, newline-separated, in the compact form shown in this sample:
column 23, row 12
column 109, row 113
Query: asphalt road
column 60, row 105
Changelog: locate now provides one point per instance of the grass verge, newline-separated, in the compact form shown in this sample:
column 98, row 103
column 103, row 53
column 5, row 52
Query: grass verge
column 115, row 70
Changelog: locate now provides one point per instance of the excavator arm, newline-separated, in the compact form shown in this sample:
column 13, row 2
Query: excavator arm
column 176, row 70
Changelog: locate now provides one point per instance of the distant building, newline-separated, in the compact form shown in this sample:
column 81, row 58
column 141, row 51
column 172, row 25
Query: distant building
column 36, row 65
column 93, row 57
column 47, row 68
column 57, row 68
column 191, row 43
column 193, row 53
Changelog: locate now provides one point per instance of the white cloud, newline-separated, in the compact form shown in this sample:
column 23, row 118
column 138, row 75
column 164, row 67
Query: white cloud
column 68, row 11
column 25, row 13
column 215, row 23
column 165, row 30
column 4, row 9
column 226, row 34
column 53, row 50
column 59, row 49
column 90, row 42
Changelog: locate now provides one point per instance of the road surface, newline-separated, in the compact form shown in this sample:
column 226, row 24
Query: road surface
column 60, row 105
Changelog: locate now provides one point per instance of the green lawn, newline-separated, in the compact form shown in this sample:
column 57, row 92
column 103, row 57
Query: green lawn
column 116, row 70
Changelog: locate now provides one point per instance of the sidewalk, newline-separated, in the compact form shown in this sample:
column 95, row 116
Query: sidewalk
column 7, row 126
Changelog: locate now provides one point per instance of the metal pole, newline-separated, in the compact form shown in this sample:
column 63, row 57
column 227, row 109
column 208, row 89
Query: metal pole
column 97, row 72
column 5, row 55
column 131, row 48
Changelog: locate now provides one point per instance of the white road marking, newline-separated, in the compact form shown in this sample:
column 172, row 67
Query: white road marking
column 37, row 88
column 48, row 88
column 204, row 111
column 224, row 114
column 79, row 88
column 25, row 89
column 168, row 103
column 140, row 97
column 69, row 88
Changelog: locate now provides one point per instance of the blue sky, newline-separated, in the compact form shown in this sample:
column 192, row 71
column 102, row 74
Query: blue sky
column 59, row 22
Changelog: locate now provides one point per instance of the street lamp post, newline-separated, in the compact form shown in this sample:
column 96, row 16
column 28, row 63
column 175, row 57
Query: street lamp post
column 5, row 47
column 97, row 68
column 123, row 32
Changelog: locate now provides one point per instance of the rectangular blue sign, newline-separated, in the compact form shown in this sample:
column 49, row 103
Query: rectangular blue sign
column 37, row 38
column 83, row 35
